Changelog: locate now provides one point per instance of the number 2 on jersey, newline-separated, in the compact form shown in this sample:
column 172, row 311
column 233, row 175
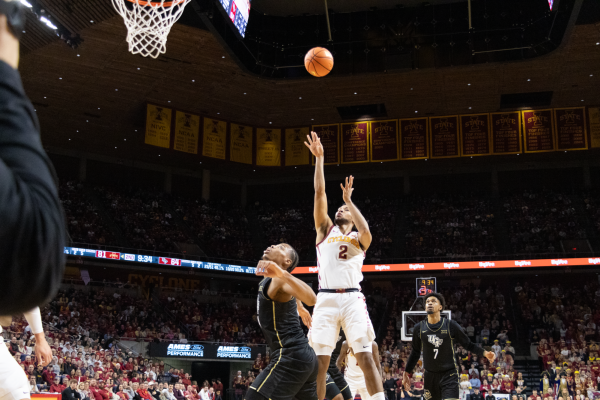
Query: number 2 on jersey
column 436, row 353
column 343, row 250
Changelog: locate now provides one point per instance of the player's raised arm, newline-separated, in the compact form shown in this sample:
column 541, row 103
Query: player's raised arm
column 284, row 285
column 364, row 233
column 461, row 337
column 322, row 220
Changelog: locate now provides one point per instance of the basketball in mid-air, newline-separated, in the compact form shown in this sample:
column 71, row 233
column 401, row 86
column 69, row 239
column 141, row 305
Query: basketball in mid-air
column 318, row 61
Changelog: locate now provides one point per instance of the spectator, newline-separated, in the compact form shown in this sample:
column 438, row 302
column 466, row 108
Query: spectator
column 71, row 393
column 168, row 394
column 56, row 386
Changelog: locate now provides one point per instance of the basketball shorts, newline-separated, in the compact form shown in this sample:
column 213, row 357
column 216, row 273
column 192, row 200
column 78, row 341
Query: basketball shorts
column 291, row 374
column 345, row 310
column 359, row 387
column 13, row 381
column 341, row 386
column 441, row 385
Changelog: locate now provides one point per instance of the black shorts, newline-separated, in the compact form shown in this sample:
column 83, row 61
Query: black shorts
column 441, row 385
column 291, row 374
column 336, row 376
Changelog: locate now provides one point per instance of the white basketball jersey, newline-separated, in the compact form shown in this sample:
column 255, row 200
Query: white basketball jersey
column 353, row 373
column 340, row 260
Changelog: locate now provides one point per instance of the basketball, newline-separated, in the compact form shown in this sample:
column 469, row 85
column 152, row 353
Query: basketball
column 318, row 61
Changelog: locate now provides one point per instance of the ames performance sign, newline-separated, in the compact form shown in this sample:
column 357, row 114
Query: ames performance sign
column 467, row 265
column 207, row 351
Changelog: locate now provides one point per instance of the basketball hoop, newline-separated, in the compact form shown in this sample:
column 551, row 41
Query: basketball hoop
column 149, row 23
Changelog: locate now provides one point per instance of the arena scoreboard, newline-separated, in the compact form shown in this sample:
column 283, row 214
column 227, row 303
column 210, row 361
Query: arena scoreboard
column 426, row 286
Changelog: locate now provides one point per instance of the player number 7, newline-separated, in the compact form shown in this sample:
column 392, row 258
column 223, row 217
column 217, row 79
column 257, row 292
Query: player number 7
column 436, row 353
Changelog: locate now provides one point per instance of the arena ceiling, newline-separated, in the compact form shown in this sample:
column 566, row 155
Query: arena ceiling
column 92, row 99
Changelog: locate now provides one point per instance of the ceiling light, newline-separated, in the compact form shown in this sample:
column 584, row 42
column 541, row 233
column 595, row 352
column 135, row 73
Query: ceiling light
column 416, row 112
column 468, row 84
column 169, row 101
column 591, row 74
column 44, row 96
column 91, row 21
column 124, row 140
column 77, row 54
column 271, row 122
column 244, row 92
column 411, row 88
column 26, row 3
column 159, row 155
column 48, row 23
column 98, row 108
column 528, row 80
column 354, row 92
column 59, row 78
column 582, row 100
column 115, row 147
column 69, row 139
column 469, row 108
column 138, row 68
column 193, row 80
column 300, row 98
column 116, row 90
column 136, row 130
column 218, row 113
column 87, row 120
column 223, row 57
column 312, row 119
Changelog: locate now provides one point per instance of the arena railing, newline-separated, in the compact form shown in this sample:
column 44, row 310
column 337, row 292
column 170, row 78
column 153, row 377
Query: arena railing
column 387, row 260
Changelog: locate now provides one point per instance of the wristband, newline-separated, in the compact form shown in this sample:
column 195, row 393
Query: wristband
column 15, row 16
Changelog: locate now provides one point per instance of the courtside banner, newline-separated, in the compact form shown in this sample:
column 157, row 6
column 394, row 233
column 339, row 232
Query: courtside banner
column 475, row 135
column 570, row 128
column 330, row 139
column 462, row 265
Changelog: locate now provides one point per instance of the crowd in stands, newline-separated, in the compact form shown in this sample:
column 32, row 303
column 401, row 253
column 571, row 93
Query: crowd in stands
column 452, row 226
column 221, row 228
column 540, row 220
column 143, row 218
column 83, row 219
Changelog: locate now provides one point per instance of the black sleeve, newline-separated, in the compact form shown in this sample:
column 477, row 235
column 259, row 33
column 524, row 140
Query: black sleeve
column 32, row 224
column 457, row 333
column 415, row 353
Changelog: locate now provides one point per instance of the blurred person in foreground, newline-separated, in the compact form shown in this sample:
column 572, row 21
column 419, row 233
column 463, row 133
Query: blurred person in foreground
column 32, row 227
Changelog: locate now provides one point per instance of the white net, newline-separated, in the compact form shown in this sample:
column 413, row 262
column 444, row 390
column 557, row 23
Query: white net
column 149, row 23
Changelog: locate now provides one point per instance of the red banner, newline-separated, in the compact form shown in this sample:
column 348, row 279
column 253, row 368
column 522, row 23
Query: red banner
column 466, row 265
column 537, row 131
column 413, row 138
column 570, row 129
column 506, row 132
column 475, row 135
column 355, row 143
column 444, row 137
column 329, row 135
column 384, row 140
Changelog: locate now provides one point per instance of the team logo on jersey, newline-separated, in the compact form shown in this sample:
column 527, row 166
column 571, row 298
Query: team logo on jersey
column 434, row 340
column 427, row 394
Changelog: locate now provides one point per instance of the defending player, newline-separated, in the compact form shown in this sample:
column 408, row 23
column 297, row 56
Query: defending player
column 353, row 373
column 13, row 382
column 435, row 337
column 340, row 253
column 292, row 372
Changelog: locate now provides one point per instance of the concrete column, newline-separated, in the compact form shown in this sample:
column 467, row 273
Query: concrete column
column 168, row 180
column 587, row 177
column 244, row 197
column 82, row 169
column 495, row 185
column 206, row 184
column 406, row 180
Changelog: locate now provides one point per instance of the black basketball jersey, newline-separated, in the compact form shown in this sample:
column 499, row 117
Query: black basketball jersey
column 437, row 346
column 279, row 321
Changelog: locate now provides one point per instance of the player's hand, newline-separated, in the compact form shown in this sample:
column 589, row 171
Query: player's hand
column 347, row 189
column 305, row 315
column 9, row 44
column 314, row 145
column 406, row 381
column 43, row 353
column 490, row 355
column 268, row 269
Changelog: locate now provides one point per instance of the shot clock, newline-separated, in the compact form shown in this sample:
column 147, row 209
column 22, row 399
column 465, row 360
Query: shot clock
column 425, row 286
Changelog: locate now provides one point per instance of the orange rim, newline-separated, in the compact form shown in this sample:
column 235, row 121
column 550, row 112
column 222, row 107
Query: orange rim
column 156, row 3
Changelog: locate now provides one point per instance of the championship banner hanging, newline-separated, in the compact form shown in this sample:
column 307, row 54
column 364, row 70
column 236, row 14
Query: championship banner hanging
column 594, row 126
column 355, row 143
column 414, row 143
column 444, row 137
column 187, row 129
column 240, row 144
column 570, row 128
column 158, row 126
column 538, row 131
column 214, row 138
column 506, row 132
column 329, row 135
column 268, row 147
column 475, row 135
column 296, row 152
column 384, row 140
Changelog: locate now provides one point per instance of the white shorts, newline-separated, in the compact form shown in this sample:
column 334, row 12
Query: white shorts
column 345, row 310
column 359, row 389
column 13, row 381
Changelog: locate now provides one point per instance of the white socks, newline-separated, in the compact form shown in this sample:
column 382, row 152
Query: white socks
column 378, row 396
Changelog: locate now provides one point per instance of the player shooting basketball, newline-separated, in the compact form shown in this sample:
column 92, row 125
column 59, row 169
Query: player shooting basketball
column 340, row 253
column 435, row 337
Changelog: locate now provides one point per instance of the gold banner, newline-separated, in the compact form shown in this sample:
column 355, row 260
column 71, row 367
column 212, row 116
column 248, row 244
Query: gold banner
column 594, row 114
column 268, row 147
column 296, row 153
column 241, row 144
column 214, row 138
column 158, row 126
column 187, row 128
